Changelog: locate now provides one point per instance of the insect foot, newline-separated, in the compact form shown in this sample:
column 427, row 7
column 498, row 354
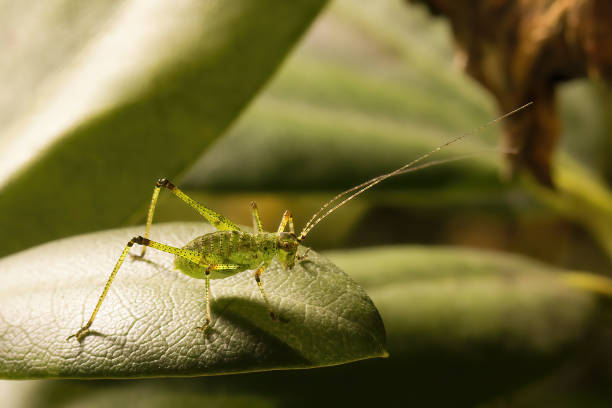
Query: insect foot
column 140, row 241
column 138, row 257
column 84, row 331
column 278, row 318
column 205, row 326
column 304, row 256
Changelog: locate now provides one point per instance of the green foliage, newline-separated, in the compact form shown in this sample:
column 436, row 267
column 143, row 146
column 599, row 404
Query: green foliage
column 473, row 324
column 451, row 298
column 366, row 94
column 173, row 88
column 371, row 88
column 147, row 326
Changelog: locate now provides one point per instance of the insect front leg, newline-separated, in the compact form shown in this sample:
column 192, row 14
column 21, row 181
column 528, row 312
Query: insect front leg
column 287, row 219
column 258, row 274
column 219, row 221
column 304, row 255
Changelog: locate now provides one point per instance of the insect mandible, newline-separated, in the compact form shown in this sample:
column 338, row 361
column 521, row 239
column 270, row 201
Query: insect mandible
column 230, row 250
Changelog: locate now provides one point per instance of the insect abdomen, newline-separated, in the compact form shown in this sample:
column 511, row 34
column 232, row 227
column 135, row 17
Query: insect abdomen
column 228, row 247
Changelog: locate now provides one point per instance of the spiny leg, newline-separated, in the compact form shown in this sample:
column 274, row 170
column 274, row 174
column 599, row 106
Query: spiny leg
column 150, row 215
column 192, row 256
column 287, row 218
column 219, row 221
column 196, row 258
column 257, row 226
column 208, row 296
column 84, row 331
column 258, row 274
column 207, row 299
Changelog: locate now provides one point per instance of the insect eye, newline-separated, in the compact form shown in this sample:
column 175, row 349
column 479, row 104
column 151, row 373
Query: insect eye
column 285, row 245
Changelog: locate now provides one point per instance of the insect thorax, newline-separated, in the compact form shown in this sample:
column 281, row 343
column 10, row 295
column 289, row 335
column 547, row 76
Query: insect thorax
column 228, row 247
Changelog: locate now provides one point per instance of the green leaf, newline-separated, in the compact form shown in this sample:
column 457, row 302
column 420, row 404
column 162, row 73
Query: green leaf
column 463, row 326
column 146, row 326
column 119, row 94
column 371, row 88
column 449, row 297
column 582, row 197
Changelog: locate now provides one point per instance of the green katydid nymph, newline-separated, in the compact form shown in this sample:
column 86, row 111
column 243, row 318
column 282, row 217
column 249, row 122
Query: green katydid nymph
column 231, row 250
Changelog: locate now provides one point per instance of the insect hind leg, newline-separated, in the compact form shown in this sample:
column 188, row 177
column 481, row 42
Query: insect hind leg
column 190, row 255
column 84, row 331
column 219, row 221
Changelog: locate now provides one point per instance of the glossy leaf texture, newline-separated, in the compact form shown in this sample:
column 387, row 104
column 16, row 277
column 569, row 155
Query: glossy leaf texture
column 147, row 324
column 475, row 324
column 105, row 97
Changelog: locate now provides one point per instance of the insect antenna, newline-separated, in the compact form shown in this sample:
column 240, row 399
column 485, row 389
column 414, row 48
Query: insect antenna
column 320, row 215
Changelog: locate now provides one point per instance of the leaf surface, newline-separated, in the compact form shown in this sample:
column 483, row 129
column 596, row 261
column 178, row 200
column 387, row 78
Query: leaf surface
column 147, row 324
column 472, row 323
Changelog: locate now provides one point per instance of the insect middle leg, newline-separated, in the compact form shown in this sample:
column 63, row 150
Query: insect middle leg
column 190, row 255
column 219, row 221
column 207, row 298
column 258, row 272
column 257, row 227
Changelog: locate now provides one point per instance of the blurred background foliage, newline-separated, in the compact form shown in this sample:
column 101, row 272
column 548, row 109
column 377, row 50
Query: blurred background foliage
column 368, row 89
column 375, row 86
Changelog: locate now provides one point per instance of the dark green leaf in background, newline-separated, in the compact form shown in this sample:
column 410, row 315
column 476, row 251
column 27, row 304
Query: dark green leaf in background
column 110, row 96
column 373, row 87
